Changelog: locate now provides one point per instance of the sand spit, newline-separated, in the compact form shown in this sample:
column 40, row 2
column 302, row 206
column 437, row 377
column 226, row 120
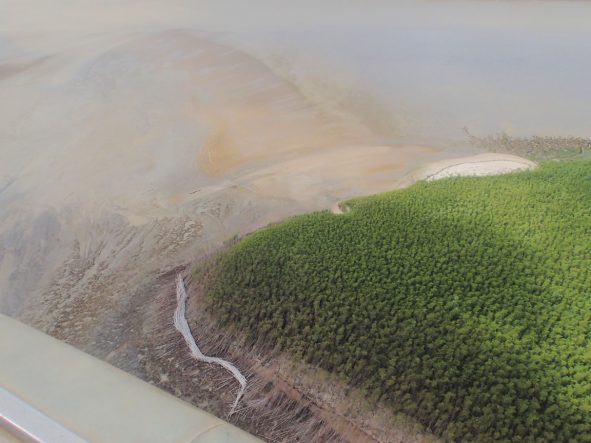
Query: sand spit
column 473, row 165
column 477, row 166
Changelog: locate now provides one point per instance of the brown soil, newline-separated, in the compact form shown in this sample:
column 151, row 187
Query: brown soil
column 285, row 401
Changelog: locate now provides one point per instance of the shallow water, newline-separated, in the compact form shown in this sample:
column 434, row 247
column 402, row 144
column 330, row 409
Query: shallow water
column 496, row 67
column 407, row 68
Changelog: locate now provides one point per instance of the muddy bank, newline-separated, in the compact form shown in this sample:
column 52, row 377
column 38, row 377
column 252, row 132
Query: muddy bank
column 284, row 400
column 135, row 153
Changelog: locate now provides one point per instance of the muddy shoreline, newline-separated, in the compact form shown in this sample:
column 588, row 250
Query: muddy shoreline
column 285, row 400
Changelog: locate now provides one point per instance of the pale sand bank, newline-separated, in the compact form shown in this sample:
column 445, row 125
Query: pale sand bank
column 476, row 166
column 472, row 166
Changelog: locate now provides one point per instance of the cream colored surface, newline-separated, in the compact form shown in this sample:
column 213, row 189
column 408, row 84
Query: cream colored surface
column 473, row 166
column 29, row 424
column 479, row 165
column 6, row 437
column 476, row 165
column 97, row 401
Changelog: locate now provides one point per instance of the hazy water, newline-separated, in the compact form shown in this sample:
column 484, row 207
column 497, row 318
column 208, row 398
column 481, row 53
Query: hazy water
column 408, row 68
column 428, row 78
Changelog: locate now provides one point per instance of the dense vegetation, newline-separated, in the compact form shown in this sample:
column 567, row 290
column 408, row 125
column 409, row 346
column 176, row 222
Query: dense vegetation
column 463, row 302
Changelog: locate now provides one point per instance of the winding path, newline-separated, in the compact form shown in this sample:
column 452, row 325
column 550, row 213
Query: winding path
column 180, row 323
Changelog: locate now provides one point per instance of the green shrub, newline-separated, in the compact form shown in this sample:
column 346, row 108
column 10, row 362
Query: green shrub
column 464, row 302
